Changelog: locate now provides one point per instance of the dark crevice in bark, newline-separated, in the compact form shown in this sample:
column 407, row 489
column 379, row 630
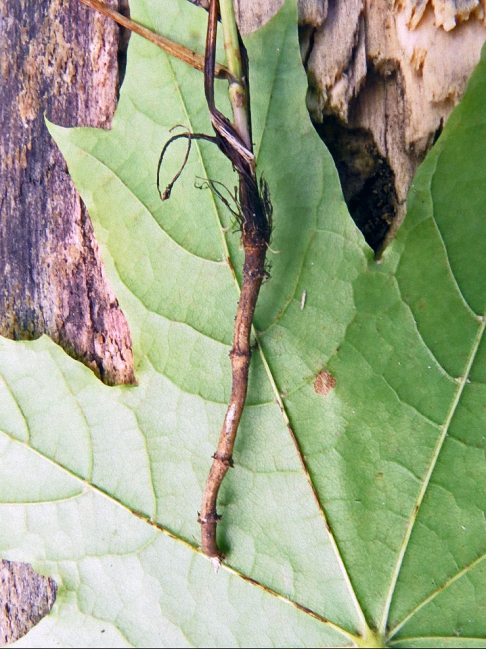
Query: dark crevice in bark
column 306, row 39
column 125, row 34
column 366, row 178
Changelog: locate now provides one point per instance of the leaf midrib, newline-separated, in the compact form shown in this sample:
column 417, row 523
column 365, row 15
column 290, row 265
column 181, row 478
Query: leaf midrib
column 86, row 487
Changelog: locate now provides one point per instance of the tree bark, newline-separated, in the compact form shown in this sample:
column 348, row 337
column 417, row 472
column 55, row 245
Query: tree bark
column 25, row 597
column 383, row 80
column 60, row 59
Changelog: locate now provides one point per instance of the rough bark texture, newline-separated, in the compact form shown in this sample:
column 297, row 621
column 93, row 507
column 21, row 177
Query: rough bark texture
column 383, row 79
column 250, row 16
column 25, row 597
column 56, row 58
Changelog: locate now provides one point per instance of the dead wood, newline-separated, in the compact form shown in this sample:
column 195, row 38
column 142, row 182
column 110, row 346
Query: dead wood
column 383, row 80
column 25, row 597
column 58, row 59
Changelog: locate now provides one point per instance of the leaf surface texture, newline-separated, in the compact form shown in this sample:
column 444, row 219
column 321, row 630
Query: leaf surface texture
column 358, row 509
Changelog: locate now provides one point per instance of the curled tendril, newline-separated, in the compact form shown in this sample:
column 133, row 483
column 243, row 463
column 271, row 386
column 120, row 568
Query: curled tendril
column 189, row 136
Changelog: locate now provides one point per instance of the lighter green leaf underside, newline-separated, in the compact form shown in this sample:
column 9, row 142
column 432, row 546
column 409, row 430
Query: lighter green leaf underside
column 366, row 503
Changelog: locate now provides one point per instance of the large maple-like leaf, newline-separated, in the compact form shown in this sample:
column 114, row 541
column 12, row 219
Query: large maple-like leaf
column 351, row 517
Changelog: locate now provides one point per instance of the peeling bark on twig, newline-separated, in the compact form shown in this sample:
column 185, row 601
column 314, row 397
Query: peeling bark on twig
column 254, row 215
column 253, row 275
column 255, row 220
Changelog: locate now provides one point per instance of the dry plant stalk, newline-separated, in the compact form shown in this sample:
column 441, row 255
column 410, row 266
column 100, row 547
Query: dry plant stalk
column 255, row 219
column 180, row 52
column 254, row 215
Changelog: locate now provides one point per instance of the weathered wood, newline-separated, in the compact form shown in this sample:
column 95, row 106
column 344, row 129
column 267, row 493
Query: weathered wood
column 383, row 82
column 383, row 79
column 252, row 15
column 60, row 59
column 25, row 597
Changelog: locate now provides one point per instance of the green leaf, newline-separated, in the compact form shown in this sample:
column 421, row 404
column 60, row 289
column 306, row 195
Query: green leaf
column 355, row 516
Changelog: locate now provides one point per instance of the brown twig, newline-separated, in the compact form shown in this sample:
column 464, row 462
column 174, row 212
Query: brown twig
column 180, row 52
column 256, row 221
column 254, row 215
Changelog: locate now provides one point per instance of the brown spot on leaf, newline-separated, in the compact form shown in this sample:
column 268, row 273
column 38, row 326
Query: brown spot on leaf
column 324, row 382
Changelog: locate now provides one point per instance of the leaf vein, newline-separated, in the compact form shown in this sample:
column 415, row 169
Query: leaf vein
column 428, row 476
column 439, row 590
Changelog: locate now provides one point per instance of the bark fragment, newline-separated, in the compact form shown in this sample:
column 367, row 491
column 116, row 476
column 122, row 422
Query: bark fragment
column 59, row 59
column 382, row 92
column 383, row 80
column 25, row 597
